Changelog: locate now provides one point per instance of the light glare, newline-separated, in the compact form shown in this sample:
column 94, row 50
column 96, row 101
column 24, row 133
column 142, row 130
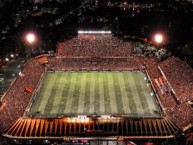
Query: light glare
column 30, row 38
column 158, row 38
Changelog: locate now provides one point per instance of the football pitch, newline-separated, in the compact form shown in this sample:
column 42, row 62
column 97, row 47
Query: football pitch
column 86, row 93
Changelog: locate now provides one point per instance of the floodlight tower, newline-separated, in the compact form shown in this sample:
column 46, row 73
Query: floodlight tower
column 30, row 37
column 158, row 39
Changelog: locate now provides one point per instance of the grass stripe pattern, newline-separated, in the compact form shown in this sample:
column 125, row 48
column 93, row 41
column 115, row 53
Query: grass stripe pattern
column 86, row 93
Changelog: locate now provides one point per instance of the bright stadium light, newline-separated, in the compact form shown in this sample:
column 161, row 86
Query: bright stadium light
column 93, row 32
column 158, row 38
column 30, row 38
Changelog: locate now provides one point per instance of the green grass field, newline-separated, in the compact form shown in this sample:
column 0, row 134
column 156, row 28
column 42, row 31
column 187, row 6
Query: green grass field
column 106, row 93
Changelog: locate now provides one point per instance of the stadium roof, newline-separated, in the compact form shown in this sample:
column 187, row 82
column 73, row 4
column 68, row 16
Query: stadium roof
column 58, row 128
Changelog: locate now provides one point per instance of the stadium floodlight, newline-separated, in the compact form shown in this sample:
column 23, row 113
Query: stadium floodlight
column 93, row 32
column 158, row 38
column 30, row 37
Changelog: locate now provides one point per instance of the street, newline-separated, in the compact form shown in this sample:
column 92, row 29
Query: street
column 9, row 72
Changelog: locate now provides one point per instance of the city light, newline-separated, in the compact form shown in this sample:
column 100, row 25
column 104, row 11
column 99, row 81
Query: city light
column 6, row 59
column 12, row 55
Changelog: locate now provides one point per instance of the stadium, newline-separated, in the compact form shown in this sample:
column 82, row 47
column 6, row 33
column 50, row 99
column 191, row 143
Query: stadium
column 96, row 89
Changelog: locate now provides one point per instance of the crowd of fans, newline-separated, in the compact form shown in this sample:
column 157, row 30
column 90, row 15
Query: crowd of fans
column 17, row 99
column 180, row 78
column 179, row 75
column 94, row 46
column 104, row 53
column 104, row 64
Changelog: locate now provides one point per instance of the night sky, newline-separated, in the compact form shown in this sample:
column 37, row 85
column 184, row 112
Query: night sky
column 55, row 21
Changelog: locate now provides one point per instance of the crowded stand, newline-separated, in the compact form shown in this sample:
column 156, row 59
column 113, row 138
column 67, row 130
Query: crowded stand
column 17, row 99
column 179, row 77
column 179, row 80
column 88, row 45
column 78, row 64
column 104, row 52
